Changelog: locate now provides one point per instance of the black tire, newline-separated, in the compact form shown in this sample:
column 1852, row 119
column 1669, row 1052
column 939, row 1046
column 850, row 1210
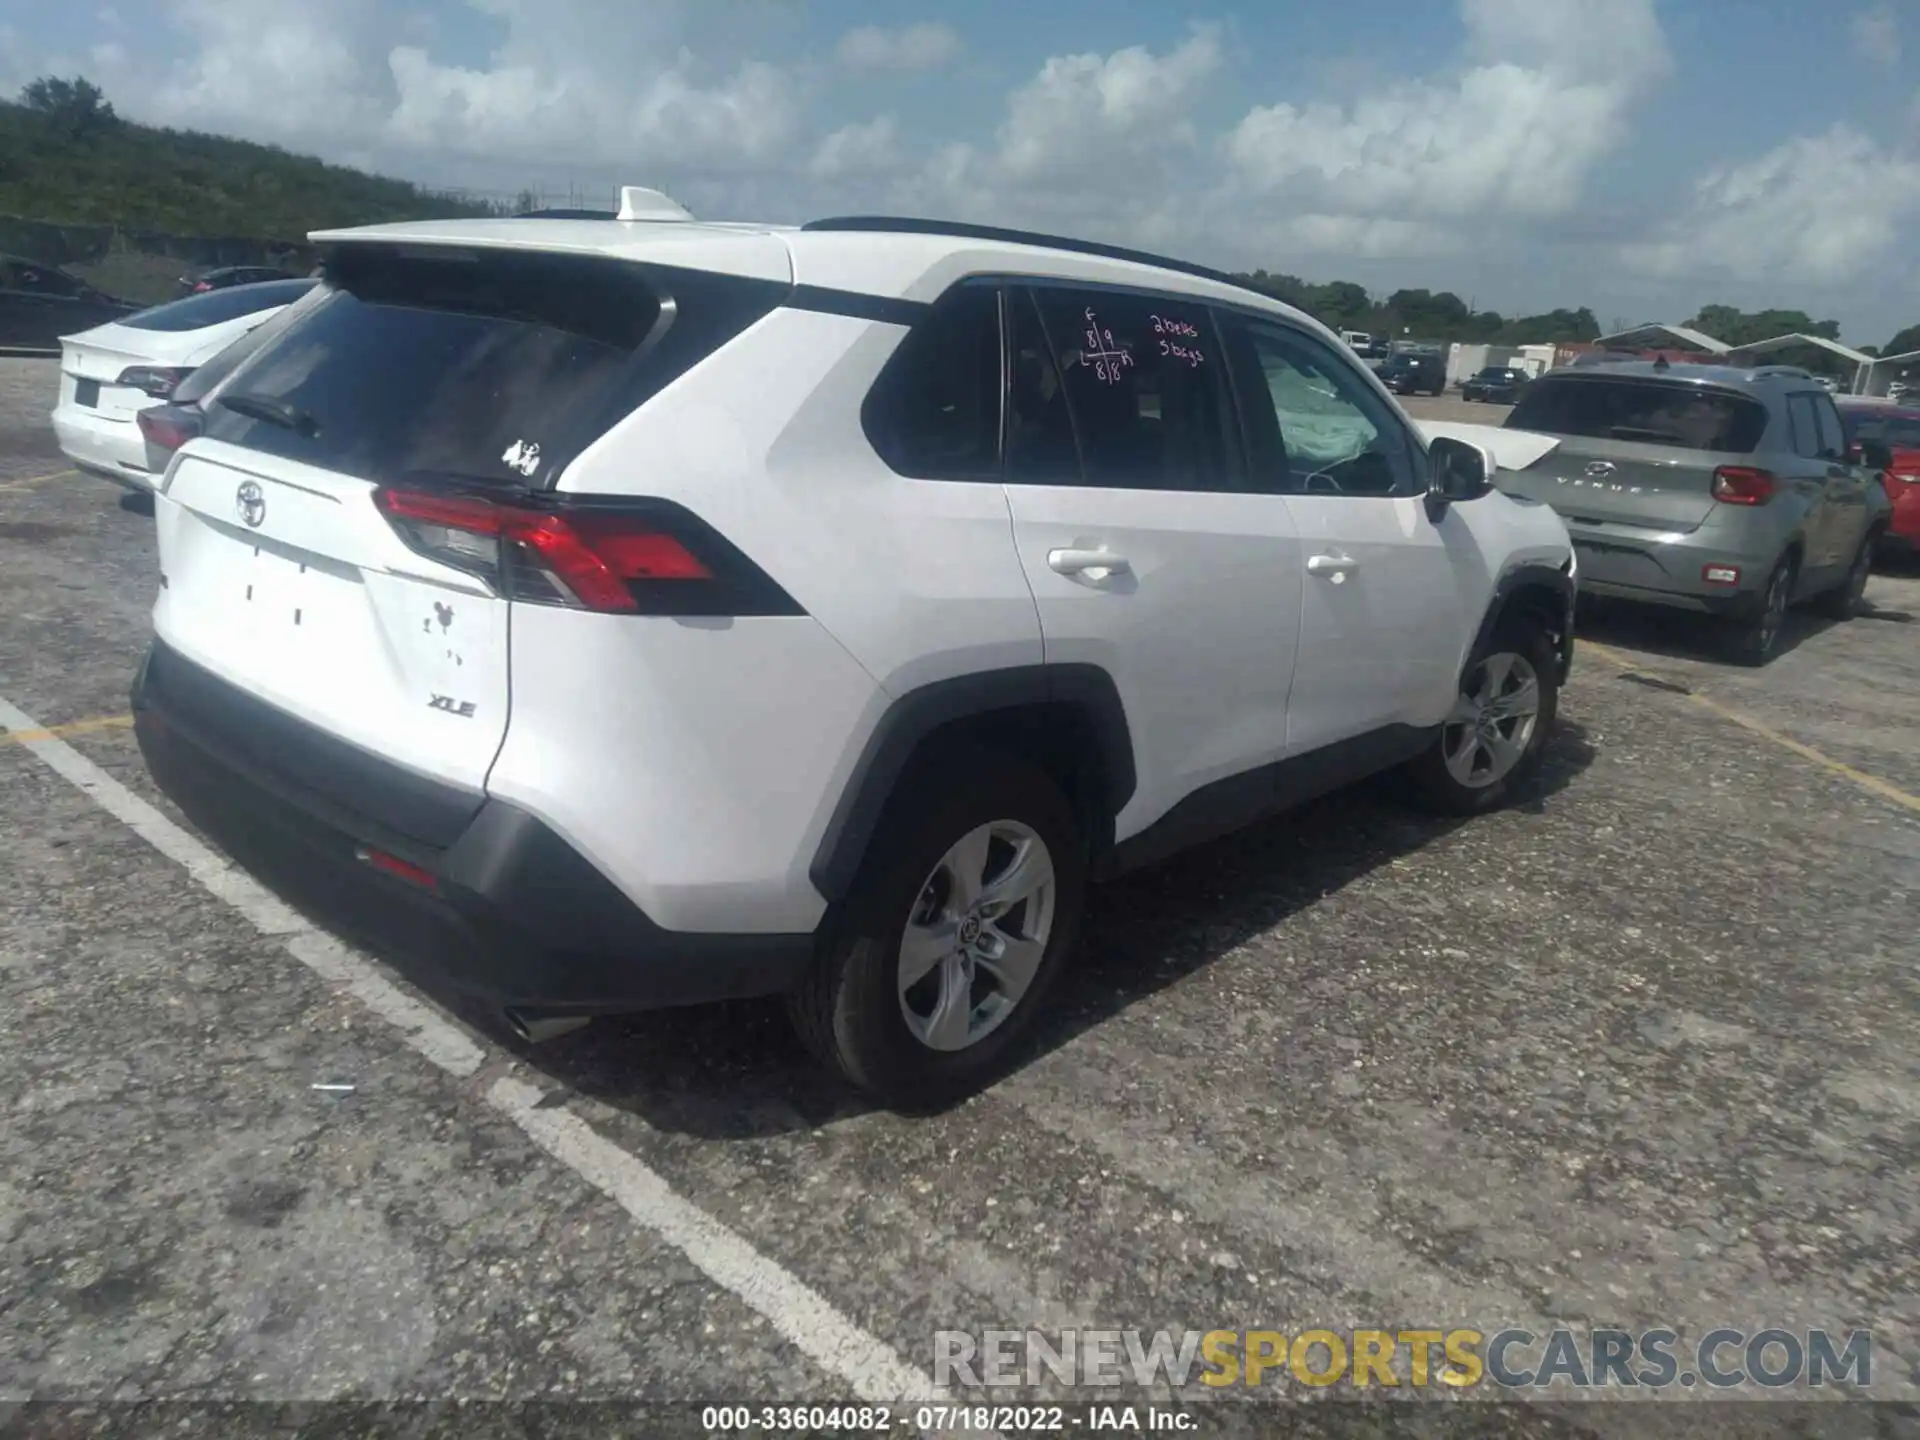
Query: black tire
column 848, row 1009
column 1755, row 637
column 1435, row 786
column 1844, row 600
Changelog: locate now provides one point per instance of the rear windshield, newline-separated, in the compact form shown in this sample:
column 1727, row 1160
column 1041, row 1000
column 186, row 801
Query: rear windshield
column 216, row 307
column 1898, row 431
column 488, row 368
column 1651, row 412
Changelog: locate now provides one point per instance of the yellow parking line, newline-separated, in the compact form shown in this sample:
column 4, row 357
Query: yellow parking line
column 72, row 727
column 32, row 480
column 1873, row 784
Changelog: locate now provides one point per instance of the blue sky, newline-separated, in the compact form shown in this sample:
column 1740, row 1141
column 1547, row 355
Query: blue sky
column 1642, row 157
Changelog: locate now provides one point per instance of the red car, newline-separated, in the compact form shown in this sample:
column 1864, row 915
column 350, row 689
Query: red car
column 1897, row 427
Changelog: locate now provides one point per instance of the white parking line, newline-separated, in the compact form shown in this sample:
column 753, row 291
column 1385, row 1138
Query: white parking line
column 860, row 1359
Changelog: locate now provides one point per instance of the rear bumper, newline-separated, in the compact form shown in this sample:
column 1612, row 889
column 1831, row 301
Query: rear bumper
column 506, row 911
column 1620, row 562
column 111, row 448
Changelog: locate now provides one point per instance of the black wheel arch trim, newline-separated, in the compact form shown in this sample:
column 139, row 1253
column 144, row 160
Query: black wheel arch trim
column 1533, row 575
column 918, row 714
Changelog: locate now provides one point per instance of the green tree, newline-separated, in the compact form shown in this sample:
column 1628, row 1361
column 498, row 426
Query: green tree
column 77, row 107
column 1556, row 327
column 1906, row 341
column 1427, row 316
column 1737, row 327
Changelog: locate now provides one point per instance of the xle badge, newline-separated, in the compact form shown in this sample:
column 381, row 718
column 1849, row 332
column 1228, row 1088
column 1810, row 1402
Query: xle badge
column 462, row 708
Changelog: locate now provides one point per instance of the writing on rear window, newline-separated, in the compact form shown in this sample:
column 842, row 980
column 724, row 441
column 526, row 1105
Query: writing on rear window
column 1167, row 325
column 1109, row 359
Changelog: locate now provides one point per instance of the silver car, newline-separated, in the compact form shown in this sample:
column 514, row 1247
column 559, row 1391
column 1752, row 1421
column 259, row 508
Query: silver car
column 1708, row 488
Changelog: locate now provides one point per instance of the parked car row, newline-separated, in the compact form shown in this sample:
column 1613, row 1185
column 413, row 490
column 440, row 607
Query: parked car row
column 424, row 438
column 111, row 374
column 39, row 303
column 226, row 276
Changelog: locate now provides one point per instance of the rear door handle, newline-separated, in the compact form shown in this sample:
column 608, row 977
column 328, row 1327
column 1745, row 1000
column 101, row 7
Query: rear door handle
column 1333, row 566
column 1093, row 564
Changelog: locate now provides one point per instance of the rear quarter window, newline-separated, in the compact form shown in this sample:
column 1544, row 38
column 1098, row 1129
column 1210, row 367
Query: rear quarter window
column 489, row 368
column 1648, row 412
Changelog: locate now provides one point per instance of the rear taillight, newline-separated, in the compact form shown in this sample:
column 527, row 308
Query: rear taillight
column 1743, row 485
column 168, row 427
column 639, row 558
column 157, row 380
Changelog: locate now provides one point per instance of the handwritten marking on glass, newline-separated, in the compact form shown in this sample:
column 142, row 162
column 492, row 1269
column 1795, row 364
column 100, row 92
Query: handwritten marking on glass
column 1189, row 354
column 1108, row 358
column 1164, row 326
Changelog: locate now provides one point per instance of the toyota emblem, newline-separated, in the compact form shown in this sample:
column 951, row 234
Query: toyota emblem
column 1600, row 467
column 250, row 503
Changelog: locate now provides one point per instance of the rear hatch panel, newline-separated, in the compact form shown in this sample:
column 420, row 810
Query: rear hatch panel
column 286, row 580
column 1612, row 482
column 1637, row 452
column 427, row 368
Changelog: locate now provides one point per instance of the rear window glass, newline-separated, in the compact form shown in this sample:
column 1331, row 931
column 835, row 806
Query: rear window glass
column 1644, row 411
column 1899, row 431
column 491, row 368
column 202, row 381
column 216, row 307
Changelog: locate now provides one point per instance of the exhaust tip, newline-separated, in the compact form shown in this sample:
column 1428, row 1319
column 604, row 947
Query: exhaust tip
column 536, row 1028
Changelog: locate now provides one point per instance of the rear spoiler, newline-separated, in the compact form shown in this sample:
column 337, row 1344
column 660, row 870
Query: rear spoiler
column 1511, row 449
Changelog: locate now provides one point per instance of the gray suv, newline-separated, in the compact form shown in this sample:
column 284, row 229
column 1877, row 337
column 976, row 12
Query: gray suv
column 1708, row 488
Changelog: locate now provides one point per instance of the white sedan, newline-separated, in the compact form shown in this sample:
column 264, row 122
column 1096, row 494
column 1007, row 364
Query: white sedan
column 109, row 374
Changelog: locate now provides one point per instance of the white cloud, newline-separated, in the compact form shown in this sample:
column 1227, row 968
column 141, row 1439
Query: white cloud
column 1875, row 36
column 529, row 113
column 1822, row 209
column 912, row 47
column 579, row 84
column 855, row 152
column 1099, row 144
column 1514, row 135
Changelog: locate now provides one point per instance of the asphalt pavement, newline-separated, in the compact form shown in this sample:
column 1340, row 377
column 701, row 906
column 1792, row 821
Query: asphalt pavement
column 1642, row 1051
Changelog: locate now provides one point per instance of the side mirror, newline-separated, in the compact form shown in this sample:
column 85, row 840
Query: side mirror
column 1456, row 472
column 1870, row 453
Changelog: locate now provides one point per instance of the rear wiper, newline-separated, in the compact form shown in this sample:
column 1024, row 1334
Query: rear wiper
column 274, row 412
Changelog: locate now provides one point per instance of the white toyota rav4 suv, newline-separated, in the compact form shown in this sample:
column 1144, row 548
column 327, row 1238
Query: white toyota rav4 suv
column 642, row 612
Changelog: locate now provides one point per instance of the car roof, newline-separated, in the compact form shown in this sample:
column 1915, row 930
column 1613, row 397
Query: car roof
column 897, row 258
column 1765, row 377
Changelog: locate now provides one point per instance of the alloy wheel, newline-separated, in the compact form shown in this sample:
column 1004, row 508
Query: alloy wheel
column 1492, row 723
column 976, row 935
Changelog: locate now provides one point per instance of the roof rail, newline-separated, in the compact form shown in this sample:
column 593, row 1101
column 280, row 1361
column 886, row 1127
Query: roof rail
column 907, row 225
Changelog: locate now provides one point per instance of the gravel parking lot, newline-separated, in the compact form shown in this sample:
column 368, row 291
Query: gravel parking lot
column 1643, row 1051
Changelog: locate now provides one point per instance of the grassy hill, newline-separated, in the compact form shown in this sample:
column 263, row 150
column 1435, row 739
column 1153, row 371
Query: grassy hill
column 92, row 168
